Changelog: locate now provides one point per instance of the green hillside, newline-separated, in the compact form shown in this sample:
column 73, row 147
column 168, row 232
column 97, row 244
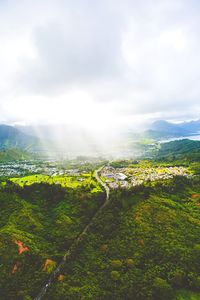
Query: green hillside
column 181, row 149
column 146, row 245
column 38, row 223
column 13, row 155
column 159, row 135
column 11, row 137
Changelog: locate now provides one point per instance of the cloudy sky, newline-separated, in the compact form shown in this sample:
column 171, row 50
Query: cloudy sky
column 108, row 61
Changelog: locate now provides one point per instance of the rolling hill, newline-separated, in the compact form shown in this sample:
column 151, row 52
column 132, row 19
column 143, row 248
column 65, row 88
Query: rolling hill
column 185, row 149
column 14, row 155
column 11, row 137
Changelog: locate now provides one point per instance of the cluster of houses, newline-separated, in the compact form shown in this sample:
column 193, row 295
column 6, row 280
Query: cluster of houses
column 127, row 177
column 18, row 168
column 71, row 172
column 22, row 168
column 113, row 178
column 28, row 167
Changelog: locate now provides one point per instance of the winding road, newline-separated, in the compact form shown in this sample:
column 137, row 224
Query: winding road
column 56, row 272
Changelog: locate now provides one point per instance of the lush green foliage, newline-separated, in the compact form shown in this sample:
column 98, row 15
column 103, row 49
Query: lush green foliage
column 13, row 155
column 145, row 245
column 83, row 180
column 187, row 150
column 38, row 223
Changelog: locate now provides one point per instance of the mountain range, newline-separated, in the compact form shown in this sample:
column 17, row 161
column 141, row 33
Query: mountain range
column 31, row 139
column 180, row 129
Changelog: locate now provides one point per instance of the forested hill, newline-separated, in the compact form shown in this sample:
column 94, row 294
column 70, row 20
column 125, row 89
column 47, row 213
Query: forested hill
column 144, row 246
column 11, row 137
column 7, row 155
column 185, row 148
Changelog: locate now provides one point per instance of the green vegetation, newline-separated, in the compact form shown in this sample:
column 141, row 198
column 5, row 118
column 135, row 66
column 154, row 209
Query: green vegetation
column 14, row 155
column 145, row 245
column 187, row 295
column 11, row 137
column 158, row 135
column 187, row 150
column 39, row 222
column 84, row 180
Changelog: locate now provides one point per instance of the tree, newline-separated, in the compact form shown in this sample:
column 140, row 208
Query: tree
column 130, row 262
column 178, row 278
column 115, row 275
column 162, row 289
column 116, row 264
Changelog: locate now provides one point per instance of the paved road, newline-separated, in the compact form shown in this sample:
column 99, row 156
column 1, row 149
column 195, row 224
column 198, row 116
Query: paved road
column 56, row 272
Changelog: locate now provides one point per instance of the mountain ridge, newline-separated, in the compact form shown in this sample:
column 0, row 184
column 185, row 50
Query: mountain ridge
column 184, row 128
column 11, row 137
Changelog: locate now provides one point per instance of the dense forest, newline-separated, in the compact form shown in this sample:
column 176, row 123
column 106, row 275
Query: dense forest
column 146, row 242
column 146, row 245
column 185, row 149
column 38, row 223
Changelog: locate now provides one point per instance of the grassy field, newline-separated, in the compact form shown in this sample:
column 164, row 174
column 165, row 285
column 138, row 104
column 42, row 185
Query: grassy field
column 85, row 179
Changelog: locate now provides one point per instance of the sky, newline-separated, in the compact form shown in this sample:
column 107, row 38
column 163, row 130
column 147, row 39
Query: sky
column 99, row 63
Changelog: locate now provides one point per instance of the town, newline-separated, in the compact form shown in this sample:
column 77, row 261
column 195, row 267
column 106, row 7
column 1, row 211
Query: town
column 50, row 167
column 114, row 177
column 128, row 177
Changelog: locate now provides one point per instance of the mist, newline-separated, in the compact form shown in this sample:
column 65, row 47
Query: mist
column 84, row 77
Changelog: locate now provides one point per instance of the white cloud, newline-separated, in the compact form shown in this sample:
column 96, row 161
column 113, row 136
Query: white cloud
column 126, row 60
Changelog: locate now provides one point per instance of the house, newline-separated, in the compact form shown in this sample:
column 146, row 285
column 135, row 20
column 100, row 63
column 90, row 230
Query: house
column 113, row 185
column 120, row 176
column 124, row 184
column 108, row 175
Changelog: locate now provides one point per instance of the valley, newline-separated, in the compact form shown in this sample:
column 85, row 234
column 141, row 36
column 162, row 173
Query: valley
column 61, row 238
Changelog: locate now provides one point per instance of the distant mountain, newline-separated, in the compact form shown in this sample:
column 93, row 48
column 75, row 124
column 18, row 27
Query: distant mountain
column 11, row 137
column 184, row 128
column 171, row 128
column 193, row 126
